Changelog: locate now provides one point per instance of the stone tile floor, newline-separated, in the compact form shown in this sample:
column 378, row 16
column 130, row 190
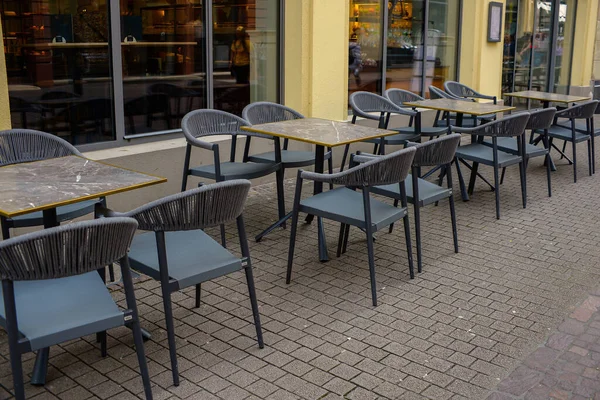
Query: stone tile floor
column 488, row 317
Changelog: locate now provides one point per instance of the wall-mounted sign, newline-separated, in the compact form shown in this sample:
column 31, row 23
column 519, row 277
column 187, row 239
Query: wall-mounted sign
column 495, row 22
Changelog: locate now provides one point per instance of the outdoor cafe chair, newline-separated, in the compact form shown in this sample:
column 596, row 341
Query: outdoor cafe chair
column 419, row 192
column 539, row 122
column 443, row 118
column 480, row 152
column 52, row 293
column 399, row 97
column 569, row 133
column 459, row 90
column 22, row 146
column 374, row 107
column 200, row 124
column 357, row 208
column 178, row 253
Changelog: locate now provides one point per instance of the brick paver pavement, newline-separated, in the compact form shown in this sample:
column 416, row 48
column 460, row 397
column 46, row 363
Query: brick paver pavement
column 454, row 332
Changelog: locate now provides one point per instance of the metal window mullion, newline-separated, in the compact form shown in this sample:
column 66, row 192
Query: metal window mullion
column 459, row 40
column 281, row 52
column 208, row 16
column 117, row 71
column 425, row 34
column 384, row 49
column 570, row 60
column 552, row 50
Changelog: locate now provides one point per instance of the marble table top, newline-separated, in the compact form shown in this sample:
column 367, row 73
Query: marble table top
column 322, row 132
column 460, row 106
column 545, row 96
column 46, row 184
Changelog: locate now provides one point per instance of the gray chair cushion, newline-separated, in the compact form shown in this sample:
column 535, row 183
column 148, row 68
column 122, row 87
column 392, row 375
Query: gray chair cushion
column 235, row 170
column 401, row 138
column 289, row 158
column 55, row 311
column 427, row 131
column 346, row 206
column 484, row 154
column 64, row 213
column 193, row 257
column 509, row 145
column 428, row 192
column 561, row 133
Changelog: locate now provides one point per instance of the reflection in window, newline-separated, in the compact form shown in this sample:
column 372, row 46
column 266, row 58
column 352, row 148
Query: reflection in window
column 57, row 62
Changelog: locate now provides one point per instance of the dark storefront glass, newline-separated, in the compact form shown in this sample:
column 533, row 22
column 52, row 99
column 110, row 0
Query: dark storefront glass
column 412, row 63
column 164, row 63
column 245, row 53
column 58, row 67
column 538, row 45
column 364, row 50
column 405, row 45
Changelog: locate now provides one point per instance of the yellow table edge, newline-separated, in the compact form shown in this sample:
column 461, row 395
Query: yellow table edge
column 501, row 109
column 540, row 98
column 316, row 142
column 157, row 180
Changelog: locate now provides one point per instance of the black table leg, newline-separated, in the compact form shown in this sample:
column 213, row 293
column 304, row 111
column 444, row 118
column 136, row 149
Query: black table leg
column 318, row 188
column 40, row 368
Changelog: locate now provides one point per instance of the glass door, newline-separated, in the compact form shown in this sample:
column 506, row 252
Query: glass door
column 404, row 51
column 245, row 50
column 365, row 58
column 442, row 42
column 564, row 45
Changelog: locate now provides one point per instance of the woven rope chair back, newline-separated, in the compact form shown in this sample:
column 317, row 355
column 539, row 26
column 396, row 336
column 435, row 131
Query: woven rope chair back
column 199, row 123
column 513, row 125
column 204, row 207
column 580, row 111
column 383, row 170
column 435, row 152
column 366, row 102
column 436, row 93
column 263, row 112
column 458, row 89
column 24, row 145
column 541, row 119
column 400, row 96
column 66, row 250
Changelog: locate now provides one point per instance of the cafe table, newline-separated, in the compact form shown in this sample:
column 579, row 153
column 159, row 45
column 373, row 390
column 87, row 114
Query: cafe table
column 461, row 107
column 46, row 184
column 322, row 133
column 545, row 97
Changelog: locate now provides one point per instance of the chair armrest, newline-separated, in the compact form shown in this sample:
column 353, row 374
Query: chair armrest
column 360, row 158
column 102, row 212
column 459, row 129
column 200, row 143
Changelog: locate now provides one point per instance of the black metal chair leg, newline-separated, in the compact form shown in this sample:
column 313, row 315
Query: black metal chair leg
column 111, row 272
column 408, row 247
column 417, row 210
column 139, row 349
column 590, row 165
column 198, row 291
column 13, row 342
column 371, row 257
column 280, row 195
column 341, row 239
column 254, row 304
column 392, row 224
column 103, row 345
column 523, row 183
column 574, row 162
column 502, row 176
column 346, row 237
column 223, row 239
column 473, row 178
column 170, row 330
column 563, row 149
column 497, row 191
column 293, row 231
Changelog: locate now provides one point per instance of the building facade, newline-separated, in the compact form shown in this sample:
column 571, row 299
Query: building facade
column 112, row 73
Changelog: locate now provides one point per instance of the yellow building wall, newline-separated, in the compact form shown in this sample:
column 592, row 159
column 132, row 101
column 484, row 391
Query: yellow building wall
column 480, row 60
column 4, row 103
column 585, row 34
column 316, row 57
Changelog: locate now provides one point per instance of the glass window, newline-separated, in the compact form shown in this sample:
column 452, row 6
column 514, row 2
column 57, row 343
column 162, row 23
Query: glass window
column 564, row 46
column 245, row 53
column 364, row 50
column 404, row 68
column 442, row 42
column 58, row 67
column 164, row 63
